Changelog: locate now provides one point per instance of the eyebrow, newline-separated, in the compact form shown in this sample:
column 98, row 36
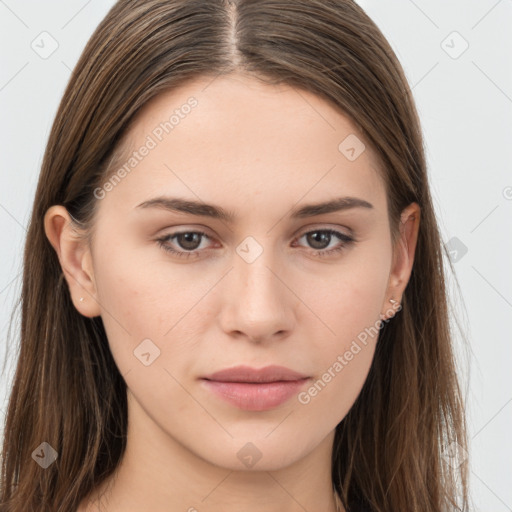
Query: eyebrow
column 175, row 204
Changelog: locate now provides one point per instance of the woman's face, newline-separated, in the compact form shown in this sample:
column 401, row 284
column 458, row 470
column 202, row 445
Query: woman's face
column 257, row 277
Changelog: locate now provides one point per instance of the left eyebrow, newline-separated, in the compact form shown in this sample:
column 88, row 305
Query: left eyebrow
column 335, row 205
column 176, row 204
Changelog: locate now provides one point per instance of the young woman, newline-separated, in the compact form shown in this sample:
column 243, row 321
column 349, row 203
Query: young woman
column 233, row 293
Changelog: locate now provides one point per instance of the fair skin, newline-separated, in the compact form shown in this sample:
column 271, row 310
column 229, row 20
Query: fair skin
column 259, row 152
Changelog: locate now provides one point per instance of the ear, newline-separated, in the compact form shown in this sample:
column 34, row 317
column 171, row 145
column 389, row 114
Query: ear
column 75, row 259
column 403, row 256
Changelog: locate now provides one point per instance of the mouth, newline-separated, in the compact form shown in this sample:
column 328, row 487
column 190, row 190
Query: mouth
column 255, row 389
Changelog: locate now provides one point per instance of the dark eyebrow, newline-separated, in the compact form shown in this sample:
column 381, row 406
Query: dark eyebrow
column 216, row 212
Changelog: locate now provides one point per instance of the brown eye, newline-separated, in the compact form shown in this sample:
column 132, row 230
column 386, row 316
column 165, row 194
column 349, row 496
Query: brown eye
column 320, row 239
column 187, row 242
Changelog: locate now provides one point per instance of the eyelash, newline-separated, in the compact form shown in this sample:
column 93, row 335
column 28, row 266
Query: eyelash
column 322, row 253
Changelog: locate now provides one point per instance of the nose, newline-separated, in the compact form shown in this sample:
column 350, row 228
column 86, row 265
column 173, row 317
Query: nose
column 257, row 305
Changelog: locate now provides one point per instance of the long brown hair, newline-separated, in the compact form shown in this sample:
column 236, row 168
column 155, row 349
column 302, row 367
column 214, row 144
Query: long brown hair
column 67, row 391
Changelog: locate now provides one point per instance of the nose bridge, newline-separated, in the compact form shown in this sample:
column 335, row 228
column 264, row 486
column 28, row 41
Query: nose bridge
column 259, row 287
column 258, row 303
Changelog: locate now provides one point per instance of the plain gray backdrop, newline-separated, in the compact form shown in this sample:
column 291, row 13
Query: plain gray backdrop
column 457, row 57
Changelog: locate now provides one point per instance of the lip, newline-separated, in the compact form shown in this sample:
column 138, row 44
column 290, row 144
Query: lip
column 253, row 389
column 272, row 373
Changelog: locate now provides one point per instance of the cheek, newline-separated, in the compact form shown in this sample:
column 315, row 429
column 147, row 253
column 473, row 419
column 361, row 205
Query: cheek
column 333, row 393
column 128, row 298
column 146, row 297
column 349, row 300
column 348, row 305
column 150, row 300
column 343, row 354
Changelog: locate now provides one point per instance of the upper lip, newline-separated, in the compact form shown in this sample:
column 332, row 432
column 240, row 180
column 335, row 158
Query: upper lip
column 271, row 373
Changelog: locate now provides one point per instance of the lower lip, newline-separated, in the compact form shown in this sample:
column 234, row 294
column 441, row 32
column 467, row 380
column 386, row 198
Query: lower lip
column 255, row 397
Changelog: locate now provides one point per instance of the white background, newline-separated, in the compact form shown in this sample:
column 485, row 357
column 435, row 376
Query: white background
column 465, row 105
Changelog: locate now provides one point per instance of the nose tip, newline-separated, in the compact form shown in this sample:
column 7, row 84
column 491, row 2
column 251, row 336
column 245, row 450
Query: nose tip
column 258, row 305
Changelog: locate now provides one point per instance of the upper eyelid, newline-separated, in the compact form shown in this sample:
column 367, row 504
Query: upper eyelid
column 301, row 231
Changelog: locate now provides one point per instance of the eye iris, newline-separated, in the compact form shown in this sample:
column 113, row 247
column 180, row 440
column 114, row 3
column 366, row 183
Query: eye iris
column 323, row 236
column 192, row 238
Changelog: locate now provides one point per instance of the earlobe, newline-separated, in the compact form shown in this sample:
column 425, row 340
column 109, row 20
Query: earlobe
column 74, row 258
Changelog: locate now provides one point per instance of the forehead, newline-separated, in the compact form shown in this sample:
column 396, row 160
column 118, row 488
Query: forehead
column 233, row 135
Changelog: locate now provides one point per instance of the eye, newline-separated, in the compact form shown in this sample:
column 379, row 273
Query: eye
column 322, row 238
column 190, row 242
